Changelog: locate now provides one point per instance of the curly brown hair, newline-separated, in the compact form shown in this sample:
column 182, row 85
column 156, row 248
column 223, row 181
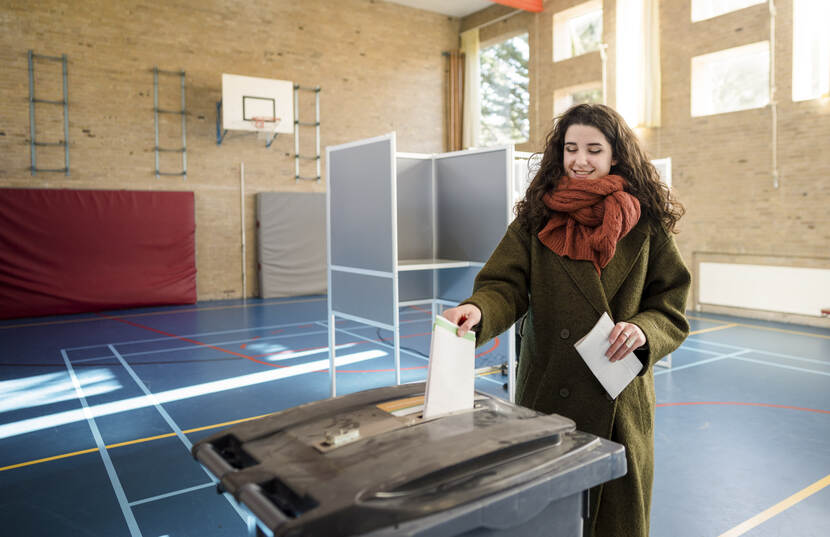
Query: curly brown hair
column 643, row 181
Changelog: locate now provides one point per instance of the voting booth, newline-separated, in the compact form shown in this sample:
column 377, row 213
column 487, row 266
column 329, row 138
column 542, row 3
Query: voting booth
column 407, row 229
column 368, row 463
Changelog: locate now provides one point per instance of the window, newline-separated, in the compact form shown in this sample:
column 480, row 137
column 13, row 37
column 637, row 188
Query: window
column 811, row 49
column 577, row 30
column 564, row 98
column 504, row 92
column 731, row 79
column 706, row 9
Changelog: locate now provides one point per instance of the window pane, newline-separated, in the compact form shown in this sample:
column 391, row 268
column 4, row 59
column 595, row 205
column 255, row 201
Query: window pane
column 504, row 92
column 577, row 30
column 564, row 98
column 730, row 80
column 811, row 49
column 706, row 9
column 585, row 33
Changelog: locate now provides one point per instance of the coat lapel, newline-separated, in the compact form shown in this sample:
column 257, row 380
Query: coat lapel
column 599, row 291
column 586, row 279
column 626, row 255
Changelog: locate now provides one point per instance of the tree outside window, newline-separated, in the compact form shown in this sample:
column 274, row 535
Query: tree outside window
column 504, row 92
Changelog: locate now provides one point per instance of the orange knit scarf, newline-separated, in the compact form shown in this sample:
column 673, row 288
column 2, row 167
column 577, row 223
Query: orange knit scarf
column 590, row 216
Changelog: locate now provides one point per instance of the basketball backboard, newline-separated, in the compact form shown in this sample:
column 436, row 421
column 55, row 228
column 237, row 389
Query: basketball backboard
column 247, row 101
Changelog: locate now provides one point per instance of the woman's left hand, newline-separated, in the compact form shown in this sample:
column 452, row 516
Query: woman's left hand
column 624, row 338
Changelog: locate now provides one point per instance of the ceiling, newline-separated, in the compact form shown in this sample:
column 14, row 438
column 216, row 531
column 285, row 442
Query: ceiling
column 455, row 8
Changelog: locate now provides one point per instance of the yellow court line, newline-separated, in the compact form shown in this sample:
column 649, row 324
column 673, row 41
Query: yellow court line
column 769, row 328
column 130, row 442
column 744, row 527
column 713, row 329
column 105, row 316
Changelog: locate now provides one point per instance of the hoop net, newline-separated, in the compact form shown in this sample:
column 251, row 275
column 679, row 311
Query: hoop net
column 265, row 126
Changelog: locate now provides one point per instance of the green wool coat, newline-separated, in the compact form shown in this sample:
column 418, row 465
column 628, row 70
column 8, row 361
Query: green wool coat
column 645, row 283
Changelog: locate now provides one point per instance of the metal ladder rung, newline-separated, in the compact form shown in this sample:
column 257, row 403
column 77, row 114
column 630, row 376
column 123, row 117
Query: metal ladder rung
column 180, row 112
column 49, row 169
column 298, row 124
column 43, row 57
column 33, row 101
column 61, row 143
column 163, row 72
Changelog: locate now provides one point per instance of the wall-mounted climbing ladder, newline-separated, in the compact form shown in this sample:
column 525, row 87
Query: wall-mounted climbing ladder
column 34, row 144
column 182, row 112
column 297, row 125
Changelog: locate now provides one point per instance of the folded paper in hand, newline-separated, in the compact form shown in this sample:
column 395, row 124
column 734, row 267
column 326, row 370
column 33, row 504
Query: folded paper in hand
column 614, row 376
column 451, row 375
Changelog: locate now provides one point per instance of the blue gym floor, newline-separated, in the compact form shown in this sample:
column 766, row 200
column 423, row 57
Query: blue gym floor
column 99, row 412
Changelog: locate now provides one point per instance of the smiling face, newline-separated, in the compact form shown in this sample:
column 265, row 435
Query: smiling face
column 586, row 153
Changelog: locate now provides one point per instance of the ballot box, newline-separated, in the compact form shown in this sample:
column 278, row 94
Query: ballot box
column 368, row 464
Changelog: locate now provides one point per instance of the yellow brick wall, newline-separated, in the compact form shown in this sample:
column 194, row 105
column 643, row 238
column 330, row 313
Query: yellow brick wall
column 381, row 69
column 722, row 165
column 379, row 65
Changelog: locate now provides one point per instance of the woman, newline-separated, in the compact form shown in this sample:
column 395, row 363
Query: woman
column 592, row 235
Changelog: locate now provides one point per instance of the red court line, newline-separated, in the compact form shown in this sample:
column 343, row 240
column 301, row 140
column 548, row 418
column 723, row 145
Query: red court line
column 245, row 344
column 269, row 364
column 736, row 403
column 220, row 349
column 491, row 349
column 188, row 340
column 95, row 316
column 495, row 345
column 326, row 346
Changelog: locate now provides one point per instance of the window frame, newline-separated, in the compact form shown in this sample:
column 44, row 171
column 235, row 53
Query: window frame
column 714, row 8
column 561, row 29
column 699, row 107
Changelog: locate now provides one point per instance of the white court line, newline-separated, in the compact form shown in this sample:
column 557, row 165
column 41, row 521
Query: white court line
column 197, row 334
column 768, row 353
column 132, row 525
column 701, row 362
column 684, row 347
column 387, row 345
column 214, row 333
column 193, row 346
column 174, row 493
column 782, row 366
column 39, row 423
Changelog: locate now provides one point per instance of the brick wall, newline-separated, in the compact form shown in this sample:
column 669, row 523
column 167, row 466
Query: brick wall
column 722, row 165
column 379, row 66
column 381, row 69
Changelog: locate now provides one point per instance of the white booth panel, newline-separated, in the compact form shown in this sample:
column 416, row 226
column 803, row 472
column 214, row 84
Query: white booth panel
column 415, row 208
column 415, row 285
column 456, row 284
column 360, row 197
column 473, row 194
column 362, row 295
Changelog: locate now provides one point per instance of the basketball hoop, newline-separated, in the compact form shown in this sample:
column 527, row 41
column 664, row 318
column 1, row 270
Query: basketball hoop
column 266, row 127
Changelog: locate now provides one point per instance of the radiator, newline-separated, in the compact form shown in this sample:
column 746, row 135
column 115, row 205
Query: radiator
column 803, row 291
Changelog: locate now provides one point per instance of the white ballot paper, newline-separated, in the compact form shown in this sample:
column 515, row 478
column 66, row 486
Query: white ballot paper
column 451, row 373
column 614, row 376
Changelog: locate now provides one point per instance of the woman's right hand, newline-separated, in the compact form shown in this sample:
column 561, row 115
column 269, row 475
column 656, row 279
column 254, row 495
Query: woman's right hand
column 465, row 316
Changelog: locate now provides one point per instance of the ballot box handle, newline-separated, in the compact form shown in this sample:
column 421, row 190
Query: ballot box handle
column 252, row 496
column 213, row 461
